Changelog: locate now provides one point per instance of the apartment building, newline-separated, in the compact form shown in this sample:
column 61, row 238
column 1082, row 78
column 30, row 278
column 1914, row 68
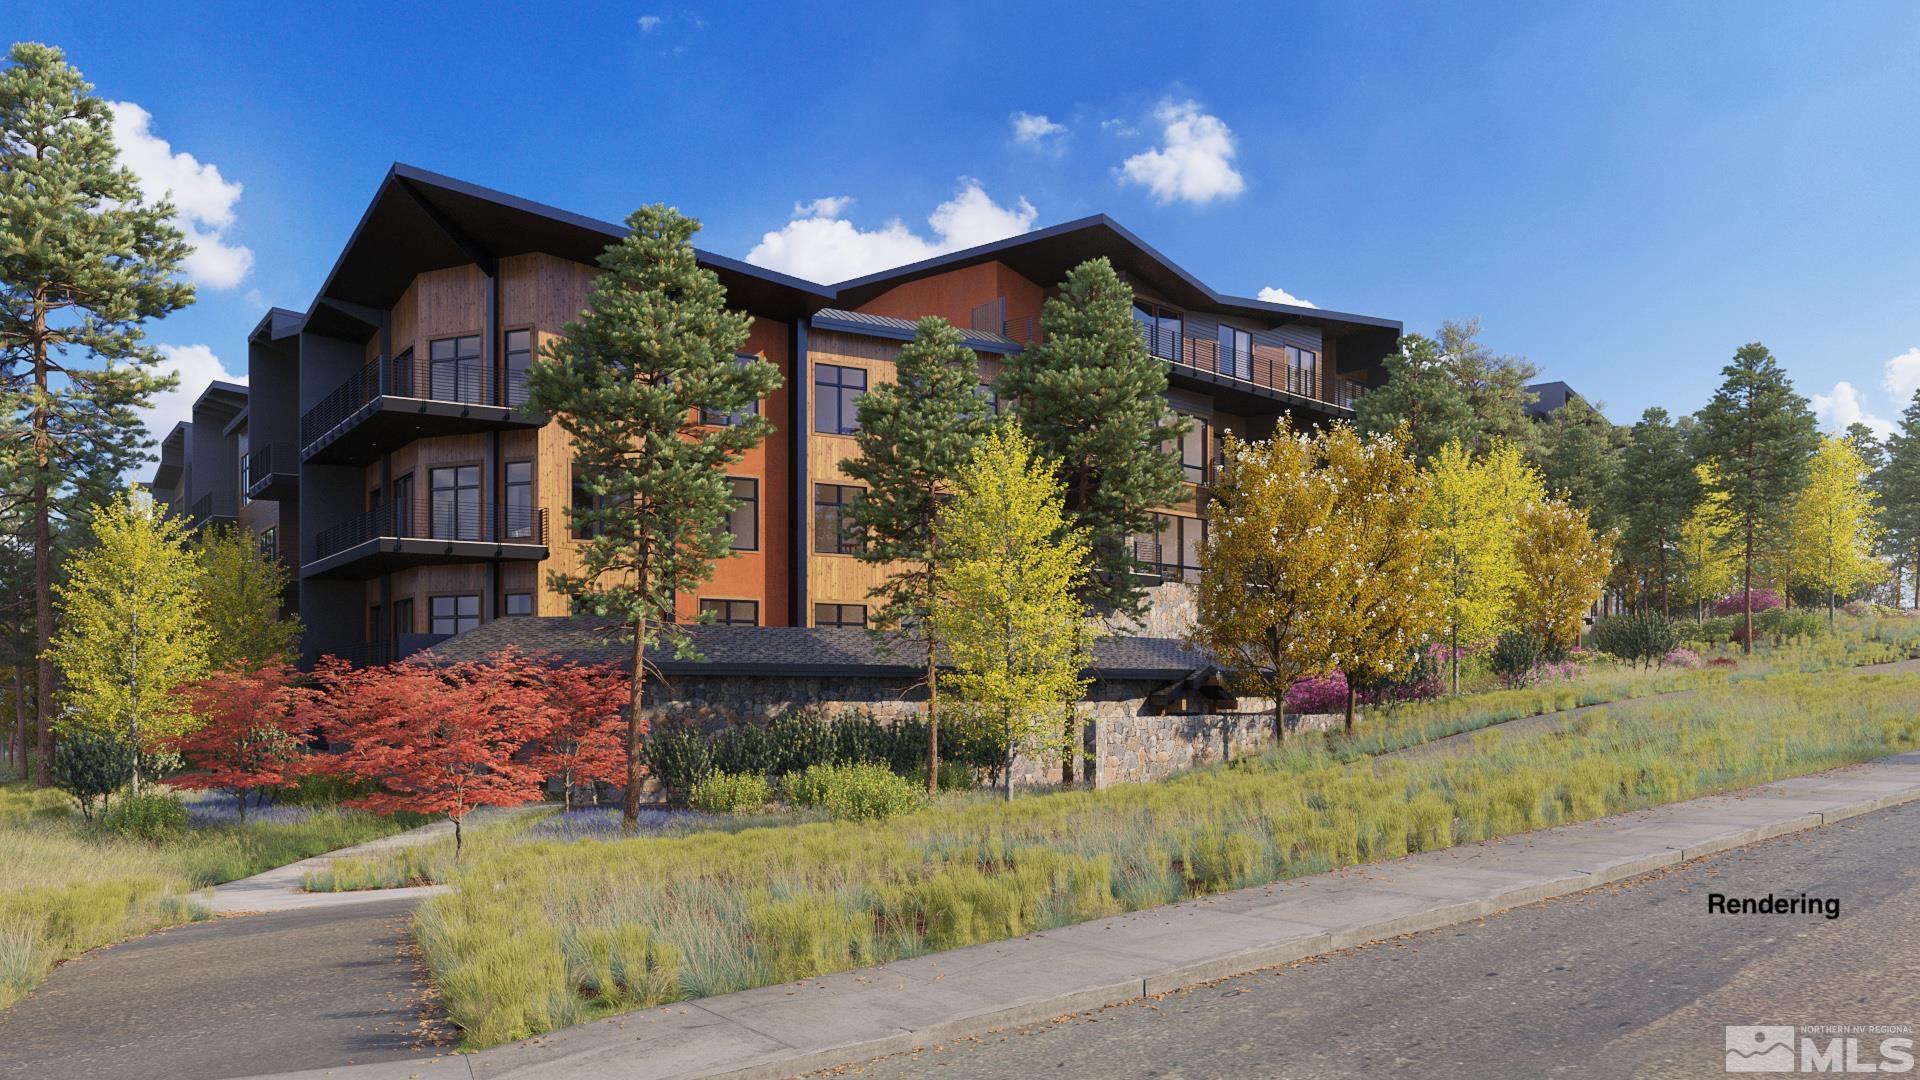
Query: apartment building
column 383, row 449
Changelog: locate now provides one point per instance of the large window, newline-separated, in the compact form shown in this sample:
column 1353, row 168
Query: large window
column 1236, row 353
column 732, row 612
column 455, row 614
column 721, row 417
column 456, row 502
column 1181, row 539
column 840, row 615
column 400, row 498
column 1193, row 450
column 834, row 531
column 519, row 356
column 454, row 372
column 1161, row 327
column 520, row 512
column 270, row 542
column 744, row 521
column 1303, row 371
column 834, row 388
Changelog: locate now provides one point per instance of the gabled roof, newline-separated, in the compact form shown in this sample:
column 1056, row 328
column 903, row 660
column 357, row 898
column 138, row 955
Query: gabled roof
column 886, row 326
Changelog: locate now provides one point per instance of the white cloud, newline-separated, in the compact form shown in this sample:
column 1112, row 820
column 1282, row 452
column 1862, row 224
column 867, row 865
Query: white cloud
column 1119, row 127
column 1194, row 162
column 202, row 198
column 1274, row 294
column 1902, row 376
column 1038, row 133
column 197, row 366
column 650, row 23
column 1843, row 407
column 820, row 245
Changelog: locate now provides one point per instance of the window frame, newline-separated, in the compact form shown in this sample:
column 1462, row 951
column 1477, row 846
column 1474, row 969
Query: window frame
column 726, row 608
column 506, row 605
column 523, row 530
column 433, row 616
column 1155, row 324
column 838, row 509
column 844, row 411
column 516, row 389
column 751, row 503
column 433, row 501
column 1177, row 568
column 1234, row 363
column 839, row 619
column 461, row 366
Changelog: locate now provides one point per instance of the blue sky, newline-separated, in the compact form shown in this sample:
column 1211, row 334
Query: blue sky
column 1622, row 194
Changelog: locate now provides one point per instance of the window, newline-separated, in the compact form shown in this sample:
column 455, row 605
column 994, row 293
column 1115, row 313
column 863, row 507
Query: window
column 455, row 614
column 520, row 512
column 400, row 501
column 732, row 612
column 834, row 389
column 1160, row 327
column 246, row 473
column 456, row 502
column 519, row 603
column 519, row 354
column 270, row 542
column 1180, row 542
column 834, row 531
column 1193, row 451
column 402, row 617
column 840, row 615
column 722, row 418
column 453, row 370
column 1236, row 353
column 744, row 522
column 1303, row 371
column 584, row 499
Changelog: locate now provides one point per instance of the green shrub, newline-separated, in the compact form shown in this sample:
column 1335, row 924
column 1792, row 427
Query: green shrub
column 91, row 766
column 852, row 792
column 678, row 758
column 731, row 793
column 153, row 817
column 1789, row 624
column 320, row 789
column 1515, row 655
column 807, row 787
column 1639, row 638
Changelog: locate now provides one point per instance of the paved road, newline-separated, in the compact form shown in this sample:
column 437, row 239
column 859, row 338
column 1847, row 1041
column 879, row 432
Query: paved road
column 230, row 997
column 1631, row 980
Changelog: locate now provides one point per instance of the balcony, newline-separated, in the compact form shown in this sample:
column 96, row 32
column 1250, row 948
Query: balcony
column 447, row 529
column 391, row 402
column 270, row 471
column 214, row 508
column 1265, row 372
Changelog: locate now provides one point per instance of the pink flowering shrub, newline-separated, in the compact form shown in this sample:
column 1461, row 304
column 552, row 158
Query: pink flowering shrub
column 1681, row 658
column 1763, row 600
column 1328, row 693
column 1324, row 694
column 1551, row 670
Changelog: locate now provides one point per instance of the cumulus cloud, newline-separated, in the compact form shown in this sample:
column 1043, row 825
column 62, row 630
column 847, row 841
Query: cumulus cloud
column 1038, row 133
column 197, row 366
column 821, row 245
column 1274, row 294
column 203, row 199
column 1194, row 161
column 1842, row 408
column 1902, row 376
column 650, row 23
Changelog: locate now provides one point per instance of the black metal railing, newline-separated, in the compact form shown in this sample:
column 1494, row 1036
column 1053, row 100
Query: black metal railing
column 1263, row 365
column 449, row 518
column 464, row 381
column 264, row 463
column 214, row 506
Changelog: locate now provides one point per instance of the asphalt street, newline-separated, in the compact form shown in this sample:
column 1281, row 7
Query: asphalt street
column 1635, row 979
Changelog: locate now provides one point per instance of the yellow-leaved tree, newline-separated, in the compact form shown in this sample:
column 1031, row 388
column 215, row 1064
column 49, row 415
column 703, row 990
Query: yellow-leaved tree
column 131, row 628
column 1007, row 605
column 1474, row 501
column 1271, row 566
column 1834, row 528
column 1563, row 565
column 1709, row 562
column 1386, row 604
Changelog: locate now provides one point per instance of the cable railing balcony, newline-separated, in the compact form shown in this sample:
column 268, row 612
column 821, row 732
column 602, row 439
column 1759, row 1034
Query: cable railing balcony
column 1263, row 366
column 459, row 381
column 215, row 507
column 266, row 466
column 452, row 518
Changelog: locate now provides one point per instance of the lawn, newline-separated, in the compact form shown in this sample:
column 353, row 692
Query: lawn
column 66, row 887
column 540, row 934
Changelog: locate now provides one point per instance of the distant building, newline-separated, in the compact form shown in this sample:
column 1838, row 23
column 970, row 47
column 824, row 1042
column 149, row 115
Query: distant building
column 1552, row 395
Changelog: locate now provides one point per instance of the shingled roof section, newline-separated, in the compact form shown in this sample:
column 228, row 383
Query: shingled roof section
column 781, row 650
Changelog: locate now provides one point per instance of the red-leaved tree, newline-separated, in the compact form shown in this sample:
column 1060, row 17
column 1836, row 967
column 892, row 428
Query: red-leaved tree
column 586, row 733
column 432, row 739
column 251, row 736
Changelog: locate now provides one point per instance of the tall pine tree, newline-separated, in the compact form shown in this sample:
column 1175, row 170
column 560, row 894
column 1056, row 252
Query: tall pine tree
column 1421, row 395
column 1579, row 458
column 916, row 433
column 84, row 263
column 1899, row 489
column 628, row 382
column 1760, row 437
column 1655, row 490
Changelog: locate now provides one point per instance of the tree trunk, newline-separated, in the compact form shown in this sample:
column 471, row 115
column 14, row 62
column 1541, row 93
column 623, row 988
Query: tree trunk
column 19, row 740
column 456, row 839
column 1350, row 697
column 42, row 547
column 1454, row 648
column 1665, row 611
column 1007, row 779
column 1830, row 598
column 630, row 803
column 933, row 718
column 1746, row 590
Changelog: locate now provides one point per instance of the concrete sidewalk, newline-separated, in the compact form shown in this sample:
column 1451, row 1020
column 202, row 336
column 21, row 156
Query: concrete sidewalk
column 779, row 1031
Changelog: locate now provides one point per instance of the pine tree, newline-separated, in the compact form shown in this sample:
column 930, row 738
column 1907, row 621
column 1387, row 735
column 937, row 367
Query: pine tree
column 1495, row 387
column 1656, row 491
column 1009, row 603
column 1900, row 491
column 1579, row 456
column 84, row 263
column 1422, row 395
column 1760, row 436
column 243, row 588
column 1093, row 399
column 1835, row 530
column 916, row 433
column 655, row 345
column 132, row 631
column 1471, row 515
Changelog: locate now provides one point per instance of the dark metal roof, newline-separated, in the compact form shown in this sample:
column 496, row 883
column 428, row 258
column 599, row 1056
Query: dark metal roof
column 886, row 326
column 277, row 323
column 220, row 394
column 782, row 650
column 1550, row 396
